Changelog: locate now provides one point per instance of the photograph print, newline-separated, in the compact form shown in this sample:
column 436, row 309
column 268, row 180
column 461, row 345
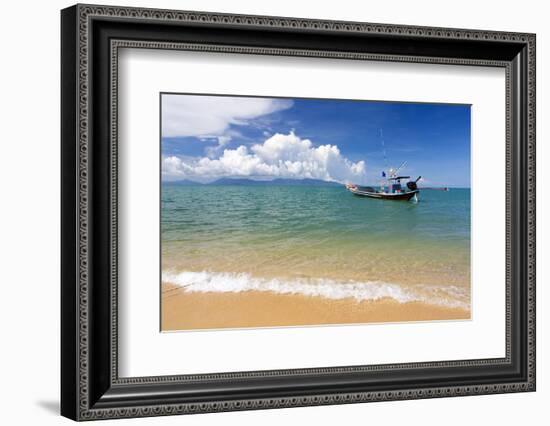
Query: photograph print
column 279, row 212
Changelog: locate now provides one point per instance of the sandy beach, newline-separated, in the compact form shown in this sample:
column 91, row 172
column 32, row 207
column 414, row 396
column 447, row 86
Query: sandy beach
column 183, row 310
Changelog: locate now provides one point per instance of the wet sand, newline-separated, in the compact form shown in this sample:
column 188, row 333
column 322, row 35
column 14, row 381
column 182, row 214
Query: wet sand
column 192, row 311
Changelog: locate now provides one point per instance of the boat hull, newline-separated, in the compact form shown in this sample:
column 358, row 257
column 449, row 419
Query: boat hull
column 400, row 196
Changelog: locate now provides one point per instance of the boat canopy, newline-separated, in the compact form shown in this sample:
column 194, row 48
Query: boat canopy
column 399, row 177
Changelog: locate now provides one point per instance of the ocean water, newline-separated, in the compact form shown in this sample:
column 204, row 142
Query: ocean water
column 317, row 241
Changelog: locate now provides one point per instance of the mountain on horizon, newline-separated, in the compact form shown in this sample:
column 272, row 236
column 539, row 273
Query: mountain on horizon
column 183, row 182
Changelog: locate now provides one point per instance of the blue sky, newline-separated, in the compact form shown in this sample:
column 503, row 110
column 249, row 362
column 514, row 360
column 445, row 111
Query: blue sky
column 207, row 137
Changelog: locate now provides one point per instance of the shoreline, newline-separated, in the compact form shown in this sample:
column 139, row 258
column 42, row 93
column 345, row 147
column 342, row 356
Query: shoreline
column 181, row 310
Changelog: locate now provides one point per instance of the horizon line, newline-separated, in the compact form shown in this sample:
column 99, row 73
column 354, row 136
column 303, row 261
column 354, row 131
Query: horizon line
column 247, row 178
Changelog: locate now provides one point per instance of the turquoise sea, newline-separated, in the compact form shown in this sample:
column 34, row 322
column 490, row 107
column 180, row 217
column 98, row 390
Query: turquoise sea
column 317, row 240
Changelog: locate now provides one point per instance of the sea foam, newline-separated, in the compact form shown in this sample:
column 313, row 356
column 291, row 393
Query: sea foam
column 223, row 282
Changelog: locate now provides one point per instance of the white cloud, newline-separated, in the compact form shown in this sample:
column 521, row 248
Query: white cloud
column 280, row 156
column 223, row 140
column 211, row 116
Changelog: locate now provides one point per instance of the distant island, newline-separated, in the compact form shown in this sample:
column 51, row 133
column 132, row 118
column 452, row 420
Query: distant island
column 252, row 182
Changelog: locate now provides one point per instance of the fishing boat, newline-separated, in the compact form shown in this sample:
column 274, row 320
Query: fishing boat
column 393, row 191
column 390, row 187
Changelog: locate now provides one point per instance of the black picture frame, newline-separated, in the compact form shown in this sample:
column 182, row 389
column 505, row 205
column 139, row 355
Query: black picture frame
column 90, row 386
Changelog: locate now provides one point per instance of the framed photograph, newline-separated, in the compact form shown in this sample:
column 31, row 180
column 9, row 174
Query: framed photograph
column 263, row 212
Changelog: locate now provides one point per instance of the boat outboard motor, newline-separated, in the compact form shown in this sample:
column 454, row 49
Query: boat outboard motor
column 412, row 184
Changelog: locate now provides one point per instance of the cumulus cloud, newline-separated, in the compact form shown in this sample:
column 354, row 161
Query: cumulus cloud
column 280, row 156
column 211, row 116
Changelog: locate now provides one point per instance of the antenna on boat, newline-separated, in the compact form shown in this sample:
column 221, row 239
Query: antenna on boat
column 384, row 149
column 399, row 168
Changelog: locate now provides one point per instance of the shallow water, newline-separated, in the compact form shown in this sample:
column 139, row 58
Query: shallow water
column 317, row 240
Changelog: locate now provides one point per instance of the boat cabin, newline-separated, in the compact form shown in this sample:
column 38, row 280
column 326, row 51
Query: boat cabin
column 395, row 186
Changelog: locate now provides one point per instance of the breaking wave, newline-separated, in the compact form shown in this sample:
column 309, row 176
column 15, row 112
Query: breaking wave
column 221, row 282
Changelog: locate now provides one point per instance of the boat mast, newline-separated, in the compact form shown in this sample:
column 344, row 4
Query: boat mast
column 382, row 182
column 384, row 149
